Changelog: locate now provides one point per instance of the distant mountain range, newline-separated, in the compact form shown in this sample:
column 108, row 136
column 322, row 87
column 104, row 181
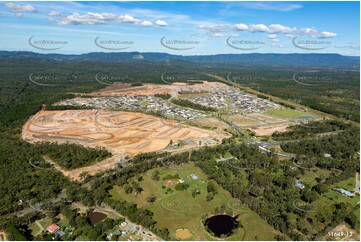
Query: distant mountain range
column 254, row 59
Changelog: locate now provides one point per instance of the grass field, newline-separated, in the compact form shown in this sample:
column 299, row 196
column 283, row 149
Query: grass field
column 349, row 185
column 310, row 175
column 180, row 210
column 45, row 222
column 287, row 113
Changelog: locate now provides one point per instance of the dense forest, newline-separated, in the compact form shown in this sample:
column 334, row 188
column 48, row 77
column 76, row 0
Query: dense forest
column 310, row 130
column 72, row 156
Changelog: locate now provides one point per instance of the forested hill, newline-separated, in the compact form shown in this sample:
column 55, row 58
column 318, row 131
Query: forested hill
column 254, row 59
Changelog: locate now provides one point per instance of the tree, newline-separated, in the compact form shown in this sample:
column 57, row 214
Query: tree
column 151, row 199
column 209, row 196
column 155, row 175
column 128, row 189
column 196, row 192
column 211, row 188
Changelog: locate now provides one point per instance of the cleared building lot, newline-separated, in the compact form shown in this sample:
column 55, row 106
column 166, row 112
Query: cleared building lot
column 122, row 133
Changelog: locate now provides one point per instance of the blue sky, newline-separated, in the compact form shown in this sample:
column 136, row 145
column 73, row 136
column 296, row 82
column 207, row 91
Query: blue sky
column 184, row 28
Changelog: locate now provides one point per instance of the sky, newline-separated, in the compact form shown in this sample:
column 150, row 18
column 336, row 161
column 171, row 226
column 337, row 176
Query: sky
column 184, row 28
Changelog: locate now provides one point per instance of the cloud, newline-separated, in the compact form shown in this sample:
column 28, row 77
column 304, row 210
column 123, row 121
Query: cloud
column 282, row 7
column 314, row 33
column 326, row 34
column 271, row 29
column 88, row 18
column 290, row 32
column 146, row 23
column 128, row 19
column 19, row 9
column 272, row 36
column 53, row 13
column 241, row 27
column 216, row 28
column 161, row 23
column 274, row 45
column 217, row 35
column 92, row 18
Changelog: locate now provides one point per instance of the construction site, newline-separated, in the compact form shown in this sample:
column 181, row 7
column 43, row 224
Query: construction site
column 125, row 134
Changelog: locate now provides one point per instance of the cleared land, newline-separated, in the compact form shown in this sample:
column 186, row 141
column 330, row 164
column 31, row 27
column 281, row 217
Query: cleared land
column 241, row 120
column 288, row 113
column 211, row 123
column 117, row 89
column 122, row 133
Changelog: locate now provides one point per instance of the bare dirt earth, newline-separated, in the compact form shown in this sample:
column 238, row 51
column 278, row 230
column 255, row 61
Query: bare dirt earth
column 117, row 89
column 122, row 133
column 269, row 129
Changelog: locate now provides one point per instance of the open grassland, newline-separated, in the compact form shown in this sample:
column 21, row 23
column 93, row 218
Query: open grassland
column 180, row 210
column 349, row 185
column 287, row 113
column 241, row 120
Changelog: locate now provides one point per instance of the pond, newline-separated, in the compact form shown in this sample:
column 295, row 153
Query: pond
column 221, row 225
column 96, row 217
